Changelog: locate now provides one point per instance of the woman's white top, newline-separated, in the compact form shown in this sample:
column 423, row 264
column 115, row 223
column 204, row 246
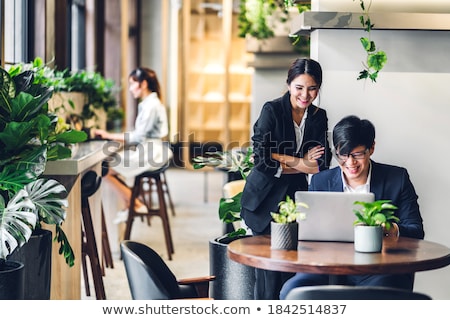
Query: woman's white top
column 151, row 153
column 151, row 121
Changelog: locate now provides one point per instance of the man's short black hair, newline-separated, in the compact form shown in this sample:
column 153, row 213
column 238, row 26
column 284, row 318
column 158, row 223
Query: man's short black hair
column 352, row 132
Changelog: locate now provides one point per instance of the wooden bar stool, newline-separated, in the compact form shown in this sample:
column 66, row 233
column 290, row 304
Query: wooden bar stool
column 107, row 259
column 166, row 190
column 90, row 183
column 148, row 187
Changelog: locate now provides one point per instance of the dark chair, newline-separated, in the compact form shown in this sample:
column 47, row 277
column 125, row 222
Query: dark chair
column 150, row 278
column 342, row 292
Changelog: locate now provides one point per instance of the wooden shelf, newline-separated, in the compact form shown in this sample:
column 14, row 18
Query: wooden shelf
column 217, row 79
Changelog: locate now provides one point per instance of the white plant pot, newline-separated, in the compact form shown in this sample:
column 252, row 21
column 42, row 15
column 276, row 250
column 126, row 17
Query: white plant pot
column 368, row 238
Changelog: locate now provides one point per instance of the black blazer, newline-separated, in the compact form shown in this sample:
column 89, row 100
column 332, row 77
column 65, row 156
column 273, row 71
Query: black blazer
column 387, row 182
column 274, row 133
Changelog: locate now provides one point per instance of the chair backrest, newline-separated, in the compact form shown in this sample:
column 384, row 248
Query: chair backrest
column 90, row 182
column 232, row 188
column 148, row 275
column 341, row 292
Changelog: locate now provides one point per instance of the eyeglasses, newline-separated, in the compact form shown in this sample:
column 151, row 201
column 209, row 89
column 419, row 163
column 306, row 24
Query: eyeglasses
column 355, row 155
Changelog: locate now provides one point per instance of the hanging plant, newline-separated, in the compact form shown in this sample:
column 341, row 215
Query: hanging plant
column 376, row 59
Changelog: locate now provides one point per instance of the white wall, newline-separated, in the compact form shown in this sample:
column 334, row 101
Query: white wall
column 267, row 84
column 428, row 6
column 410, row 108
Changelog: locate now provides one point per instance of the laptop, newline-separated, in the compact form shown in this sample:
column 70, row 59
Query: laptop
column 330, row 215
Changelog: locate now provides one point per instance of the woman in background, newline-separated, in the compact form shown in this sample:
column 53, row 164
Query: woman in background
column 289, row 142
column 148, row 151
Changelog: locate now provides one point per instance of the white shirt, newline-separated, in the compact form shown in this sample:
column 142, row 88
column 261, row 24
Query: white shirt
column 151, row 121
column 300, row 130
column 365, row 188
column 299, row 133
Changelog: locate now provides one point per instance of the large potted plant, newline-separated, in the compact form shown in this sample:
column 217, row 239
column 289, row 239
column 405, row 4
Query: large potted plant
column 372, row 217
column 30, row 136
column 234, row 281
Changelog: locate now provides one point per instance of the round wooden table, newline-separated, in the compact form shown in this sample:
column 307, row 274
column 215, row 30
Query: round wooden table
column 404, row 255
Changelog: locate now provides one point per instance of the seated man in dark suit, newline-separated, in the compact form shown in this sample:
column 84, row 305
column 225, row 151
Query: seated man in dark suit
column 354, row 142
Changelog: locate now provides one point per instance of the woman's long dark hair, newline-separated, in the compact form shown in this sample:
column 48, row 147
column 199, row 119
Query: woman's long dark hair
column 140, row 74
column 305, row 66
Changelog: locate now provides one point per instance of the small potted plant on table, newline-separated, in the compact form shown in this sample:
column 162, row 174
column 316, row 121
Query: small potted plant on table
column 372, row 217
column 284, row 227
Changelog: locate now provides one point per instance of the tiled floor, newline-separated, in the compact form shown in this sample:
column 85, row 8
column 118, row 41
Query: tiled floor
column 196, row 197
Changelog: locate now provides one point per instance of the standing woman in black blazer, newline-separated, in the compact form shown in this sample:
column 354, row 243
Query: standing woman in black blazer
column 289, row 142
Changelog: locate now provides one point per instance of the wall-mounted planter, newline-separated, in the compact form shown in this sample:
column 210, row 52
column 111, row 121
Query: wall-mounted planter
column 277, row 44
column 275, row 52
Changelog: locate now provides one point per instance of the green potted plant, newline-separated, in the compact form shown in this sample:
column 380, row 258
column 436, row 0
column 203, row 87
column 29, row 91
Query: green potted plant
column 371, row 218
column 30, row 136
column 284, row 227
column 100, row 92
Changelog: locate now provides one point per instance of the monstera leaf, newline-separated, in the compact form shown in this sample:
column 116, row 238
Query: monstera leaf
column 50, row 208
column 17, row 221
column 39, row 201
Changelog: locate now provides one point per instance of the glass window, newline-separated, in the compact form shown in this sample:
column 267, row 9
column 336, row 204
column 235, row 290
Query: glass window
column 15, row 46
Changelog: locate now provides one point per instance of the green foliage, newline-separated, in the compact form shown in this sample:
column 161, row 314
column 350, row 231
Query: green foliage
column 231, row 161
column 229, row 208
column 114, row 113
column 289, row 211
column 380, row 212
column 100, row 92
column 30, row 136
column 16, row 222
column 376, row 59
column 257, row 17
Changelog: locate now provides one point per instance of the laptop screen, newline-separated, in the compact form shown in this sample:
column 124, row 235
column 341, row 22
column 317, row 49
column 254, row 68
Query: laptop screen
column 330, row 215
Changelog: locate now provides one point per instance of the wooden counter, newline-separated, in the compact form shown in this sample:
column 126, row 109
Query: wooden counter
column 66, row 281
